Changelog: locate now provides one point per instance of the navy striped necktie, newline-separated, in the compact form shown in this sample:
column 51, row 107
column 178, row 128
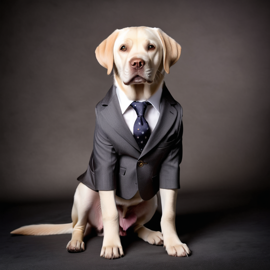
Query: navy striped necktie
column 141, row 129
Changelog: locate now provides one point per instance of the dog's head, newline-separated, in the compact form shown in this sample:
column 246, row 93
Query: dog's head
column 139, row 55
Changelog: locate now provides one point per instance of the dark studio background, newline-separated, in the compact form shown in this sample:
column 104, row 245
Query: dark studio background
column 51, row 82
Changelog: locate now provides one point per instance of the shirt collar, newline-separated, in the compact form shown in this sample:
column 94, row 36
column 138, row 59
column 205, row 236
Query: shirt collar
column 125, row 102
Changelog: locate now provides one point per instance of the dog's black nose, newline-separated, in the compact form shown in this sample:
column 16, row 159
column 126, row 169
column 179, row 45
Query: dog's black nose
column 137, row 63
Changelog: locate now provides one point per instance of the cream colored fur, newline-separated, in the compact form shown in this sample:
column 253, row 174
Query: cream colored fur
column 44, row 229
column 157, row 61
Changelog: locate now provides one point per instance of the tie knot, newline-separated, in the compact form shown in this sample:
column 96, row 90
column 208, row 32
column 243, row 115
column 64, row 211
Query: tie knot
column 139, row 107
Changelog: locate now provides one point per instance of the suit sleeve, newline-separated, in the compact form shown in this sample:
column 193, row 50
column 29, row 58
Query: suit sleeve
column 170, row 170
column 104, row 159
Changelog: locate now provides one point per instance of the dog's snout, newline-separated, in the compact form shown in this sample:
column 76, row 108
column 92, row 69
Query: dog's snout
column 137, row 63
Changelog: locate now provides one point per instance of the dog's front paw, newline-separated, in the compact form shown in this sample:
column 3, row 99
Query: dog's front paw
column 175, row 247
column 155, row 238
column 112, row 251
column 111, row 247
column 75, row 246
column 152, row 237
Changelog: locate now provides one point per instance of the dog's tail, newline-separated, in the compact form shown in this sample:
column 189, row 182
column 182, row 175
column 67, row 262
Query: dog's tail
column 44, row 229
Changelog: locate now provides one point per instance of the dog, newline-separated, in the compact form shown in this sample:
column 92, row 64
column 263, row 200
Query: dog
column 126, row 197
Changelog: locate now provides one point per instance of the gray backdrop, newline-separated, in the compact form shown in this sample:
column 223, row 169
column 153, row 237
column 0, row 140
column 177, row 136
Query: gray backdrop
column 51, row 81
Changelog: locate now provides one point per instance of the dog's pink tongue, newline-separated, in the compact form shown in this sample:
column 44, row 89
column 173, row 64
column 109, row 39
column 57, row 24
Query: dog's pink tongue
column 128, row 220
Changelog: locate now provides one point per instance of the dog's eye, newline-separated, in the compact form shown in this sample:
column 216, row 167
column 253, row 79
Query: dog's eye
column 151, row 47
column 123, row 48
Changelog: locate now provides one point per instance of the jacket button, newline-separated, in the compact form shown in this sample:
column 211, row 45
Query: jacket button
column 140, row 163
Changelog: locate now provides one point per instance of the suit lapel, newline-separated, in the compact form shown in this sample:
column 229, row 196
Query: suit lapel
column 113, row 116
column 166, row 119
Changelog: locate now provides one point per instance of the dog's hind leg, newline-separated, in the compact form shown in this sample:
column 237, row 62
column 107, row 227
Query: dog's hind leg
column 84, row 199
column 145, row 212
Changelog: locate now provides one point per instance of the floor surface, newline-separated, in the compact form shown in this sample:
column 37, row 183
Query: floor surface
column 224, row 231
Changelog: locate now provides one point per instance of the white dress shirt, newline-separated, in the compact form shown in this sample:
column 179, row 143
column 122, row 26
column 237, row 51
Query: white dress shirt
column 151, row 114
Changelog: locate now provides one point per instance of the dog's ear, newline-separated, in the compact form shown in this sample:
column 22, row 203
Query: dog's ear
column 104, row 51
column 171, row 50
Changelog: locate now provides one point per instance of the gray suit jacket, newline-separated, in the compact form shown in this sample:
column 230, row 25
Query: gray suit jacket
column 118, row 163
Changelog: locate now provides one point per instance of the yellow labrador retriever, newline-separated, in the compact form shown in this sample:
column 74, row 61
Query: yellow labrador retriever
column 139, row 56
